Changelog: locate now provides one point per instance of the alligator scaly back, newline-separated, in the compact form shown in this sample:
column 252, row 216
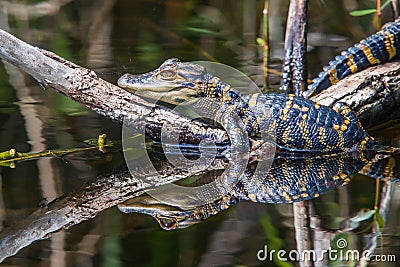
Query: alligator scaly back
column 375, row 49
column 295, row 123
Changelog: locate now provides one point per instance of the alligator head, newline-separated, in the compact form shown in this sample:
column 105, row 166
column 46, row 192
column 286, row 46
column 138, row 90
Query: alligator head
column 174, row 82
column 169, row 217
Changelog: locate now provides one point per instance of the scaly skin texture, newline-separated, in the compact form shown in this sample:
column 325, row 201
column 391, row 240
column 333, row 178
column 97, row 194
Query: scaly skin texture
column 375, row 49
column 294, row 123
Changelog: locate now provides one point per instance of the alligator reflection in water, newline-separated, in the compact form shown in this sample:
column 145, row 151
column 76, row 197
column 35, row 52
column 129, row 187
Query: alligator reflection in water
column 288, row 180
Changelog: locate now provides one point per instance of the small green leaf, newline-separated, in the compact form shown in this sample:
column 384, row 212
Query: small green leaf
column 260, row 41
column 385, row 4
column 363, row 216
column 9, row 154
column 380, row 220
column 10, row 164
column 363, row 12
column 200, row 30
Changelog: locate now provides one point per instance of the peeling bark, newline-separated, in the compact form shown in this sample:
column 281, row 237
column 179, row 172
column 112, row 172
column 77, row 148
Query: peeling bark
column 373, row 94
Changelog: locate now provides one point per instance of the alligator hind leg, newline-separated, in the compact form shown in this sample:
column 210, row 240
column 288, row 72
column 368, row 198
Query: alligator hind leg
column 348, row 114
column 351, row 120
column 346, row 111
column 383, row 167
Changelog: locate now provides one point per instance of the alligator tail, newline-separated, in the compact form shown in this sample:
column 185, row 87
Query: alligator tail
column 375, row 49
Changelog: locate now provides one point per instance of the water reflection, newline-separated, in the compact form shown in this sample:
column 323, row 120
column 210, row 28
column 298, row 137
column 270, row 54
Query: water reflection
column 290, row 179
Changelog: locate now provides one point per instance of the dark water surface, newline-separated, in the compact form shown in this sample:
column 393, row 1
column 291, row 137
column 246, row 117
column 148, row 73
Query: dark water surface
column 114, row 37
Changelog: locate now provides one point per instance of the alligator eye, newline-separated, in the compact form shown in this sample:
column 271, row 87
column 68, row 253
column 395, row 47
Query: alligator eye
column 167, row 223
column 167, row 74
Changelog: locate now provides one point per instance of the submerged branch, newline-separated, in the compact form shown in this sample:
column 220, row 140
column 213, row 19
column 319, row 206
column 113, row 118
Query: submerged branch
column 373, row 94
column 11, row 157
column 85, row 203
column 294, row 71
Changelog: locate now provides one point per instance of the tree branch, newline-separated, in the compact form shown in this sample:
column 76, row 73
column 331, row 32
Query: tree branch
column 294, row 70
column 83, row 85
column 373, row 94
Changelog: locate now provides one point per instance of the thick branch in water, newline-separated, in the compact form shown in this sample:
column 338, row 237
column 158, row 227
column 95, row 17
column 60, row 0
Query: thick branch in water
column 373, row 94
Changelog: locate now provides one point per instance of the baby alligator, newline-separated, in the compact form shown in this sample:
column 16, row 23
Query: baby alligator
column 293, row 123
column 296, row 123
column 375, row 49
